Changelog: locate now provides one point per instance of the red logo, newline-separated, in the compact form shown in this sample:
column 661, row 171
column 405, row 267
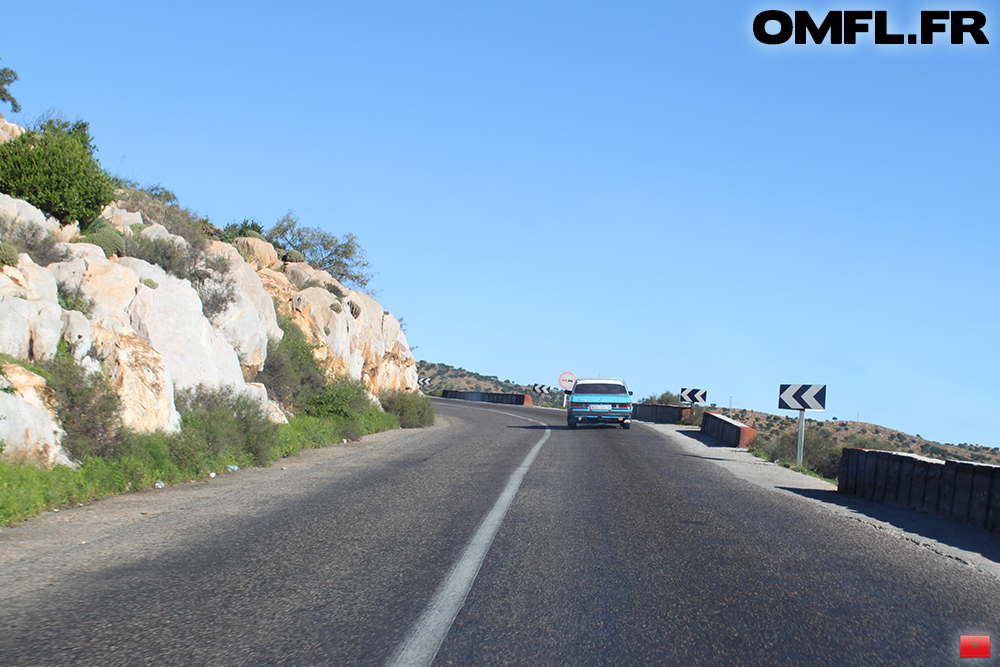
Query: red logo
column 974, row 646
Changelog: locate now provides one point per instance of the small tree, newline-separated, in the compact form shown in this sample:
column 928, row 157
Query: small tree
column 53, row 167
column 7, row 77
column 343, row 258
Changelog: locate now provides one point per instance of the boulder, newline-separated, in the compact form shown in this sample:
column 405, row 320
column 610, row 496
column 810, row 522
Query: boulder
column 29, row 430
column 20, row 212
column 300, row 273
column 123, row 220
column 9, row 130
column 170, row 319
column 31, row 327
column 158, row 231
column 249, row 283
column 275, row 414
column 111, row 285
column 257, row 252
column 78, row 334
column 38, row 282
column 31, row 387
column 138, row 375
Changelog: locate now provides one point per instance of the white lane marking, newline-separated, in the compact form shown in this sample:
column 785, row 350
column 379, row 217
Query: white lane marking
column 425, row 639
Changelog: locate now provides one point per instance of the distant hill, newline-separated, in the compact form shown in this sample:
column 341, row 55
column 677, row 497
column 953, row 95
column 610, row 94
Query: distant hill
column 861, row 434
column 443, row 376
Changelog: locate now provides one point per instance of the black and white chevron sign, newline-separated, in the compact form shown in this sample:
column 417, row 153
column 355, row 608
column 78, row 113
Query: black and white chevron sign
column 423, row 382
column 541, row 388
column 802, row 397
column 693, row 395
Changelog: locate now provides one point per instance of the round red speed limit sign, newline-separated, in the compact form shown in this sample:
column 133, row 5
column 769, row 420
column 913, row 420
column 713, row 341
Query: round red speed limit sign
column 567, row 380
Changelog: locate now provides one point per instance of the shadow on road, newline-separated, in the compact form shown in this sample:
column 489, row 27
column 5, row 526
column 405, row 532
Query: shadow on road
column 954, row 534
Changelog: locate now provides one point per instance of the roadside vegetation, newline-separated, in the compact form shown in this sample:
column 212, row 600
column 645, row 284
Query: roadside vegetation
column 220, row 428
column 54, row 167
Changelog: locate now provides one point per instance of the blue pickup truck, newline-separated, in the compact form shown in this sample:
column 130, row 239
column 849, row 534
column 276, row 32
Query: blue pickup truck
column 599, row 401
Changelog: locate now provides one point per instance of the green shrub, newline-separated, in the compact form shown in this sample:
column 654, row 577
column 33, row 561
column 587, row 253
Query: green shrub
column 41, row 246
column 159, row 205
column 150, row 283
column 342, row 398
column 8, row 255
column 248, row 227
column 109, row 240
column 412, row 409
column 88, row 409
column 227, row 422
column 73, row 298
column 53, row 167
column 172, row 257
column 290, row 371
column 821, row 453
column 294, row 256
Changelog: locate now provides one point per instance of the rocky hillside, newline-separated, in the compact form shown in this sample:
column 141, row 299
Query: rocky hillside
column 152, row 333
column 443, row 376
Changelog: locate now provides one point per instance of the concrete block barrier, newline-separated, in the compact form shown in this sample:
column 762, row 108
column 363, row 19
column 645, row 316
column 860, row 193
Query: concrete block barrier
column 728, row 431
column 918, row 482
column 993, row 514
column 881, row 476
column 947, row 489
column 487, row 397
column 958, row 490
column 979, row 501
column 660, row 414
column 904, row 487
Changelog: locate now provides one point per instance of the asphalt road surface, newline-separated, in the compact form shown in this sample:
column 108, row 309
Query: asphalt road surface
column 497, row 537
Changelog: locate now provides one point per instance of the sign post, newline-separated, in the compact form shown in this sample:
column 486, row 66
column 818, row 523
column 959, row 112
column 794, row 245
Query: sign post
column 693, row 396
column 802, row 397
column 566, row 381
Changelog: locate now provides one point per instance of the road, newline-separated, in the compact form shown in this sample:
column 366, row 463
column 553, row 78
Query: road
column 498, row 537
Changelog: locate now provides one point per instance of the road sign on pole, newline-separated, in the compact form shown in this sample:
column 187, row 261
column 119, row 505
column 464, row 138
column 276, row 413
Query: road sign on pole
column 802, row 397
column 566, row 381
column 541, row 388
column 693, row 395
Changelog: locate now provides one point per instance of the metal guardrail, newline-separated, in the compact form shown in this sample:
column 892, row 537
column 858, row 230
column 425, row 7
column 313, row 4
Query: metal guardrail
column 958, row 490
column 488, row 397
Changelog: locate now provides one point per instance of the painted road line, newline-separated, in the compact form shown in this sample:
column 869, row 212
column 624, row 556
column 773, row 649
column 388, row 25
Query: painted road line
column 425, row 639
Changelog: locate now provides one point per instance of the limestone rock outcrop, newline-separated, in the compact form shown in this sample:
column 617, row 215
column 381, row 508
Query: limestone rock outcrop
column 147, row 332
column 260, row 253
column 170, row 319
column 137, row 373
column 356, row 336
column 29, row 430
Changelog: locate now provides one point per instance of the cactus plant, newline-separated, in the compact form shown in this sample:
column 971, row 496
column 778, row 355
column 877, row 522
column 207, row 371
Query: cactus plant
column 108, row 238
column 8, row 255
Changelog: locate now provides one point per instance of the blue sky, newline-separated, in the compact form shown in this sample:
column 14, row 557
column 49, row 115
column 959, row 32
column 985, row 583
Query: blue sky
column 638, row 190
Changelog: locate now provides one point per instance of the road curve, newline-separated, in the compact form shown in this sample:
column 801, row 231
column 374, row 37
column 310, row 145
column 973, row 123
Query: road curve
column 615, row 548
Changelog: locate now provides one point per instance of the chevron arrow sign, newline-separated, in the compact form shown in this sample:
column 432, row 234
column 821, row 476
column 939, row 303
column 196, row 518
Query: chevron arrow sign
column 802, row 397
column 693, row 395
column 423, row 382
column 541, row 388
